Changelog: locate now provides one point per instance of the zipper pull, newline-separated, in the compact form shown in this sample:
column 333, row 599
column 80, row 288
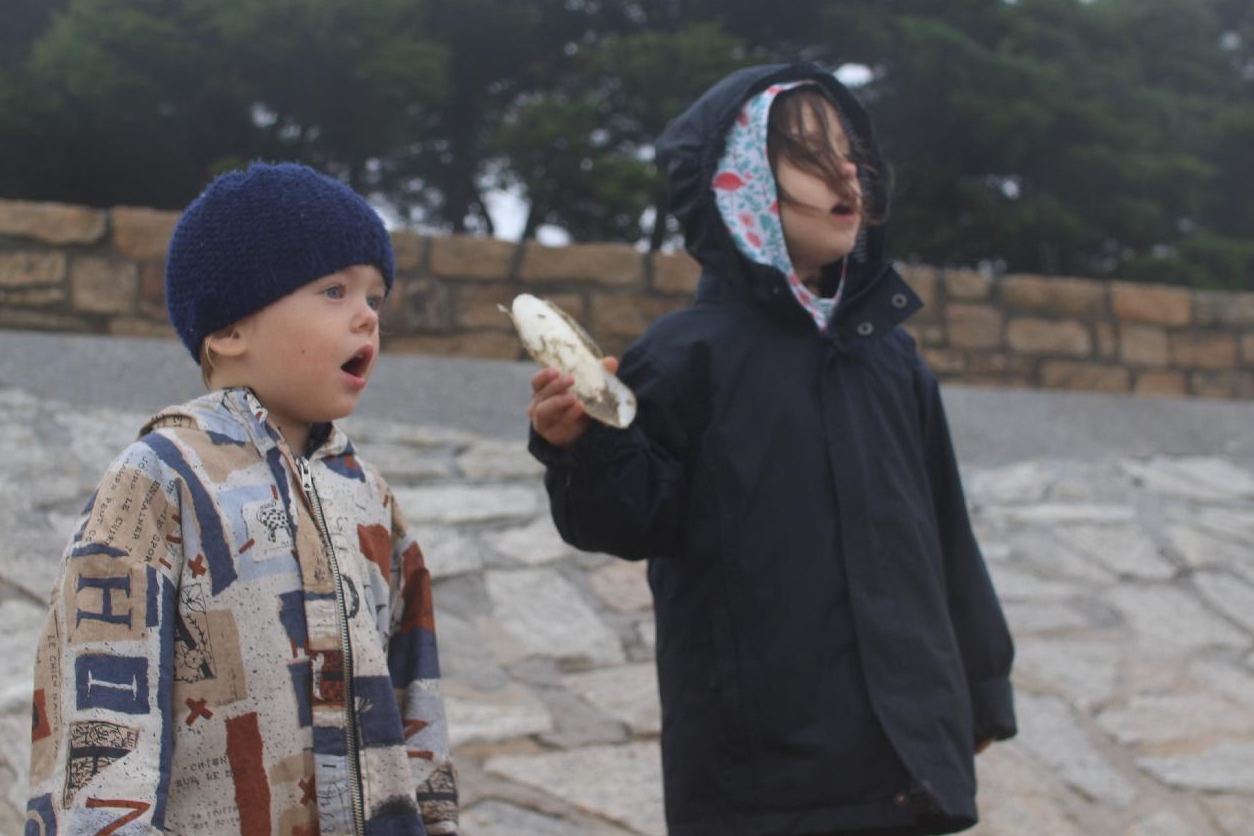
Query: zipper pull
column 306, row 477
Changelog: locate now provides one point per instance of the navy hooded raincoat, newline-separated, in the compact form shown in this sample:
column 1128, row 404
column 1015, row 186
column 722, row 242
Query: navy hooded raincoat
column 829, row 644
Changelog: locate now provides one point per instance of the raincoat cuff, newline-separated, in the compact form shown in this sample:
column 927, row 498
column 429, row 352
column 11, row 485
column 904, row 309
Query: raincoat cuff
column 595, row 446
column 547, row 454
column 992, row 704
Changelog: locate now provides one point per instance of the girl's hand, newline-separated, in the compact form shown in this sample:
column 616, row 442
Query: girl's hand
column 557, row 416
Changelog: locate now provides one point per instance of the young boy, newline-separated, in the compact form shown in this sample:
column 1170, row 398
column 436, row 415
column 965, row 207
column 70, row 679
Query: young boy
column 830, row 650
column 242, row 640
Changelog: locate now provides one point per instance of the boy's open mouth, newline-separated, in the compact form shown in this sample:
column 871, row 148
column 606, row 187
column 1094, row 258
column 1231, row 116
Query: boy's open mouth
column 843, row 209
column 359, row 363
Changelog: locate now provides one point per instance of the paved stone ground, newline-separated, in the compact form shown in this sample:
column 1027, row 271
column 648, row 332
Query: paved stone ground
column 1128, row 581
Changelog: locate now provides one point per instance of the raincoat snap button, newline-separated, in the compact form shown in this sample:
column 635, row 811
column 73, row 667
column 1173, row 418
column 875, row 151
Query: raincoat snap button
column 900, row 799
column 865, row 329
column 899, row 300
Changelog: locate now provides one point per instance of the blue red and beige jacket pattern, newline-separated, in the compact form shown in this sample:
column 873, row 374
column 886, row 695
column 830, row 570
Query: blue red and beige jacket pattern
column 242, row 641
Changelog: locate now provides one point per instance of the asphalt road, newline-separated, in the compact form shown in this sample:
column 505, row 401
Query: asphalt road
column 488, row 397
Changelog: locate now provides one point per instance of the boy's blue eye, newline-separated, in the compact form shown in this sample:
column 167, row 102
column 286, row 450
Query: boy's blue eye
column 375, row 302
column 335, row 291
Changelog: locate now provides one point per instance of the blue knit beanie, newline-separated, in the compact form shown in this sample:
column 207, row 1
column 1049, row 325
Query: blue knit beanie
column 254, row 236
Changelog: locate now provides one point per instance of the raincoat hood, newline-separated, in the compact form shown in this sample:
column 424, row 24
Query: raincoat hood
column 714, row 156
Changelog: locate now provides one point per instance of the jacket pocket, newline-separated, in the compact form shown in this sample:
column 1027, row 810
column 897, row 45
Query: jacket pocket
column 723, row 680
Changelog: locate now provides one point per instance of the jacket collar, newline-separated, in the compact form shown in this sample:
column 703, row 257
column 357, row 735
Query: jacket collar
column 879, row 303
column 237, row 416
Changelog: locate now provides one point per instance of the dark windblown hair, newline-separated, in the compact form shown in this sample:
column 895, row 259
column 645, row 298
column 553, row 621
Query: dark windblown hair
column 817, row 154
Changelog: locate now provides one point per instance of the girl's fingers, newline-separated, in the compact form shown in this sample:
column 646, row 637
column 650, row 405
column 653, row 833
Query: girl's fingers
column 611, row 364
column 563, row 424
column 550, row 382
column 548, row 412
column 542, row 378
column 554, row 411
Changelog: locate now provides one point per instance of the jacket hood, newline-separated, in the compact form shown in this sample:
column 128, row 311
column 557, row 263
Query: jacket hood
column 693, row 145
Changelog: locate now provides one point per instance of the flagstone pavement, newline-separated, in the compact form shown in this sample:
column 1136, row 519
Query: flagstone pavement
column 1128, row 581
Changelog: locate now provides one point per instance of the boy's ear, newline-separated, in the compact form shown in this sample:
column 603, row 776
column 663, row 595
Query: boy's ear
column 231, row 341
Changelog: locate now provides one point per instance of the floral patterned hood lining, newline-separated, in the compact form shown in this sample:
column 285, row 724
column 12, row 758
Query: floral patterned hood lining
column 747, row 199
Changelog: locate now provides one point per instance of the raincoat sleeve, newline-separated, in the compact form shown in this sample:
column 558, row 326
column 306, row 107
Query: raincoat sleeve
column 414, row 666
column 983, row 637
column 101, row 735
column 622, row 491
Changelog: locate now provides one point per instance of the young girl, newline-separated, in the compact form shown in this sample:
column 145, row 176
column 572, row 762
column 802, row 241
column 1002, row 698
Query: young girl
column 830, row 650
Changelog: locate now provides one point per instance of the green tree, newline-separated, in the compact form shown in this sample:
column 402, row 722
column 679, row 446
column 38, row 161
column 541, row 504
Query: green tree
column 560, row 159
column 339, row 84
column 24, row 20
column 581, row 153
column 499, row 53
column 1048, row 135
column 1099, row 138
column 646, row 78
column 142, row 101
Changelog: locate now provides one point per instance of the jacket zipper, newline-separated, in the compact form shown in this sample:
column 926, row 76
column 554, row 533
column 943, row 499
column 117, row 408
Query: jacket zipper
column 350, row 702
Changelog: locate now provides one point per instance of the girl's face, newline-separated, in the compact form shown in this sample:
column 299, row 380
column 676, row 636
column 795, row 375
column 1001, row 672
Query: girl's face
column 820, row 224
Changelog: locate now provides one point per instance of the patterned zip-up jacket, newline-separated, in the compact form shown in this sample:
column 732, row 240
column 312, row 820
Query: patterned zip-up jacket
column 242, row 642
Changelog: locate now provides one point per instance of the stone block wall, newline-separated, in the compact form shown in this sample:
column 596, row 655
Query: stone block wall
column 71, row 268
column 1066, row 333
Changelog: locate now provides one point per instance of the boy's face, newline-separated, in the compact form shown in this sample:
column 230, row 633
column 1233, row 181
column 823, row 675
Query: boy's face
column 819, row 225
column 310, row 354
